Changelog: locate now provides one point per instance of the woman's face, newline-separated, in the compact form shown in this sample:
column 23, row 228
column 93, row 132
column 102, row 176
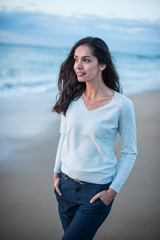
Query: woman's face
column 86, row 65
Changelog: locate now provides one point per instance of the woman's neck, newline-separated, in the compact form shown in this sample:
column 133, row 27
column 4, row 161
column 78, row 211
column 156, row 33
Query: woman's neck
column 96, row 90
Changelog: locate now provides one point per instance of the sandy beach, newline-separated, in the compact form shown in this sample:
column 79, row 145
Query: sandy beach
column 28, row 141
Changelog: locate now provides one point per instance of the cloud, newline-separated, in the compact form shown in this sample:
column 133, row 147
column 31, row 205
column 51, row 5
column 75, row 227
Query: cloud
column 47, row 29
column 122, row 29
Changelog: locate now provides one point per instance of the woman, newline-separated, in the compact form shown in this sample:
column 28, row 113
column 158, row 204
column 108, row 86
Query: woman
column 86, row 177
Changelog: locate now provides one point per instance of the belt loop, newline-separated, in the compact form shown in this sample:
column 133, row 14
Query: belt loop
column 65, row 177
column 76, row 180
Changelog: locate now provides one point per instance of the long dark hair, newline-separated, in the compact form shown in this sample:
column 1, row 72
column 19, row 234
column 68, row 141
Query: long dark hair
column 70, row 88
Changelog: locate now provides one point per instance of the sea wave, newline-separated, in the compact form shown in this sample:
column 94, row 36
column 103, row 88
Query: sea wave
column 30, row 70
column 11, row 89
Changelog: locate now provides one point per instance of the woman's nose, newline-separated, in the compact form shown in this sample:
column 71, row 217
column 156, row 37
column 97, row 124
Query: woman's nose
column 79, row 65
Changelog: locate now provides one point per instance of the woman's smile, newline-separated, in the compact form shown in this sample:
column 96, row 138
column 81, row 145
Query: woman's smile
column 80, row 74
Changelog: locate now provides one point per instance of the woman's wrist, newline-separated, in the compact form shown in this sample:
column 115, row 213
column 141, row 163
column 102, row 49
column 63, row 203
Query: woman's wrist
column 56, row 175
column 112, row 192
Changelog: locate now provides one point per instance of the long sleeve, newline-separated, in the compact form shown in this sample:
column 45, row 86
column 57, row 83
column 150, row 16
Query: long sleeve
column 127, row 131
column 57, row 167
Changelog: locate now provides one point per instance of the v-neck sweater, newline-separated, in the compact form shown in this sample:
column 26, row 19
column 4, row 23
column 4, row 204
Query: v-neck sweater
column 85, row 149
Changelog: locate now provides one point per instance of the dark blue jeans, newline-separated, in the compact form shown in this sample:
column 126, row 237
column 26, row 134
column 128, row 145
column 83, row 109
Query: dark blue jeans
column 80, row 218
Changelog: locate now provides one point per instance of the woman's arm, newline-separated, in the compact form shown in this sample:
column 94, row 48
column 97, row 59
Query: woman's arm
column 57, row 167
column 127, row 131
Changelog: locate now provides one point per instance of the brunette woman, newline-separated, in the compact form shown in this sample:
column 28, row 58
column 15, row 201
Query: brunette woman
column 93, row 110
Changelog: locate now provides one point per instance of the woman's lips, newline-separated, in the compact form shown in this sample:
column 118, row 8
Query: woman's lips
column 80, row 74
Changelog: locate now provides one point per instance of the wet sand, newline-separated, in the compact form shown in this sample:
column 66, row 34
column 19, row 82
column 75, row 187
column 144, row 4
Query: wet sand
column 28, row 142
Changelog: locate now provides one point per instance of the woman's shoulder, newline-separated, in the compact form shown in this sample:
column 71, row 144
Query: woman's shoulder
column 124, row 101
column 123, row 98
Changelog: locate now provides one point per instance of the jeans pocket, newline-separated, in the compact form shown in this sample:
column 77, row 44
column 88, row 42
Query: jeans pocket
column 102, row 203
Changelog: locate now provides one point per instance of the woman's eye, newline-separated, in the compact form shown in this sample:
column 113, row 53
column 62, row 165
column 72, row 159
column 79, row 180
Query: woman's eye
column 87, row 60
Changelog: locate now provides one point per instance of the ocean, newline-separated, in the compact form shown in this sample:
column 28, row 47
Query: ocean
column 26, row 70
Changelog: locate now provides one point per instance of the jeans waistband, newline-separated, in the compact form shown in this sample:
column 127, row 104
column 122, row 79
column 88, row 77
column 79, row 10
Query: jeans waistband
column 66, row 177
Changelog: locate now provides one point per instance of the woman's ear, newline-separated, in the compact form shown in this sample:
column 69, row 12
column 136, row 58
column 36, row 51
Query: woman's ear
column 102, row 67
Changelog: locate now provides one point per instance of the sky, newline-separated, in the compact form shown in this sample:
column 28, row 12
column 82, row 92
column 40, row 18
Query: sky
column 126, row 25
column 127, row 9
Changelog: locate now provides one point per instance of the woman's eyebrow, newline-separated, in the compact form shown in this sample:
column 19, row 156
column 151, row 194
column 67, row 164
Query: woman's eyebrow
column 84, row 56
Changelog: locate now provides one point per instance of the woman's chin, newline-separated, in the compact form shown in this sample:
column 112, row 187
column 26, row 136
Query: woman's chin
column 81, row 79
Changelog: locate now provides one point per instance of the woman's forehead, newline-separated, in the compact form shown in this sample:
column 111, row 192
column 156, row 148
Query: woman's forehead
column 83, row 51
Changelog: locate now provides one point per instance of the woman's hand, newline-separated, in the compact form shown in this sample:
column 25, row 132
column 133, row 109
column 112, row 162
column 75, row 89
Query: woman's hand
column 57, row 177
column 106, row 196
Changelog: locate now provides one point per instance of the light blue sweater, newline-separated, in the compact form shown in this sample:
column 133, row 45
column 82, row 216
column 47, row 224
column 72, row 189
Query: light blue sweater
column 85, row 149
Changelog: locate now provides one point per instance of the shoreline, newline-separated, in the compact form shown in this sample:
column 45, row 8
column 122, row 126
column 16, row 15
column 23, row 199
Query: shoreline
column 29, row 140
